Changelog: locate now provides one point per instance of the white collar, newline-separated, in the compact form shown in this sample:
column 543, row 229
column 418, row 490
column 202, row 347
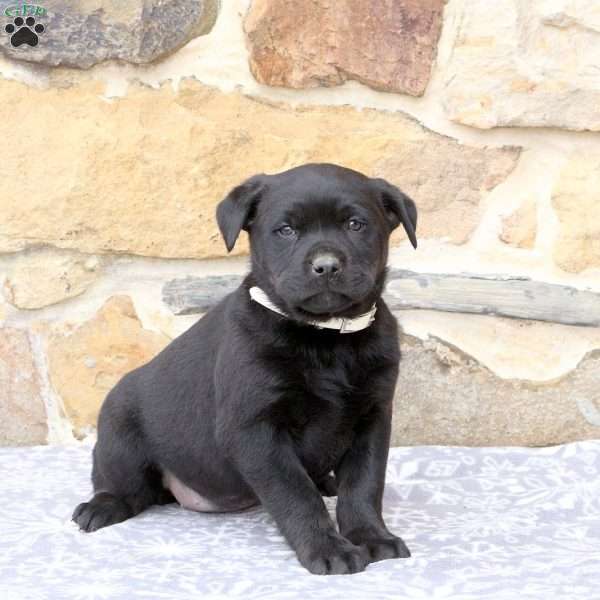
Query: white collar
column 342, row 325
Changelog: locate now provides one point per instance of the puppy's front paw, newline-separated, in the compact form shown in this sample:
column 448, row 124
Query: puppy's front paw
column 336, row 556
column 380, row 547
column 383, row 548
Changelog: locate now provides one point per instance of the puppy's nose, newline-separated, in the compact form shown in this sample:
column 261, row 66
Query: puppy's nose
column 325, row 264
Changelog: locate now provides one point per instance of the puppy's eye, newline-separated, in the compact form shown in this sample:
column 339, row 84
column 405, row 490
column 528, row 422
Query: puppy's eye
column 286, row 231
column 356, row 225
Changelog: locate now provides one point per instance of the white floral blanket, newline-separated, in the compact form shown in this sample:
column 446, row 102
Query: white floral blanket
column 482, row 523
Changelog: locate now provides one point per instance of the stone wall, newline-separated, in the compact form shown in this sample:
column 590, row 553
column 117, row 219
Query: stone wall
column 124, row 126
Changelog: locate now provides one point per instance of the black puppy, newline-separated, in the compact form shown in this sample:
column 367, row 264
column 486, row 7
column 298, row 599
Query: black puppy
column 287, row 379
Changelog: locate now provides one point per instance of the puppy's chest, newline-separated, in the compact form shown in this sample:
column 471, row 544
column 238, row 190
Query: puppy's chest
column 320, row 410
column 328, row 382
column 321, row 431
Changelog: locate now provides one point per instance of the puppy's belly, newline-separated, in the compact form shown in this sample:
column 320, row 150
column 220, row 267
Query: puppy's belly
column 192, row 500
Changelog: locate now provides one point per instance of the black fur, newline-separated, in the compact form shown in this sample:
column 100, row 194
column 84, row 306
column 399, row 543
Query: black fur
column 249, row 406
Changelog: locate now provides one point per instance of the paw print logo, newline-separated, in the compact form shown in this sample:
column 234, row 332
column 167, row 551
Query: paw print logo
column 24, row 31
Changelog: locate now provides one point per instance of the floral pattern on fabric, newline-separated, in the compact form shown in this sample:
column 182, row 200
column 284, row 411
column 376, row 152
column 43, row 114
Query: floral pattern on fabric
column 481, row 523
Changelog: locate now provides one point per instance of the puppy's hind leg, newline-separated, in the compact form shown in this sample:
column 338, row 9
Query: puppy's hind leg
column 125, row 482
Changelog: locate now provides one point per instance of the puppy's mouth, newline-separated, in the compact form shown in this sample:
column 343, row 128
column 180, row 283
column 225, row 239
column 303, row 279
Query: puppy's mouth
column 324, row 304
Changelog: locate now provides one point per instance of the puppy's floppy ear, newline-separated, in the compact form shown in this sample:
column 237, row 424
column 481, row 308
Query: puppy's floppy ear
column 236, row 211
column 399, row 208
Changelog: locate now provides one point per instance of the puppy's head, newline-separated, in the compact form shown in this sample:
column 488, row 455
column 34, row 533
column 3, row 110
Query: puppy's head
column 318, row 235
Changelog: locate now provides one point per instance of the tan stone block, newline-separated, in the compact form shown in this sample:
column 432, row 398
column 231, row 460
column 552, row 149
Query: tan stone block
column 87, row 362
column 143, row 174
column 576, row 200
column 519, row 229
column 41, row 278
column 511, row 348
column 446, row 180
column 22, row 409
column 536, row 68
column 386, row 45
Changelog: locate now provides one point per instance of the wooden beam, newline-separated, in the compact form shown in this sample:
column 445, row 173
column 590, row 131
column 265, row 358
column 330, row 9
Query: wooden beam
column 516, row 297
